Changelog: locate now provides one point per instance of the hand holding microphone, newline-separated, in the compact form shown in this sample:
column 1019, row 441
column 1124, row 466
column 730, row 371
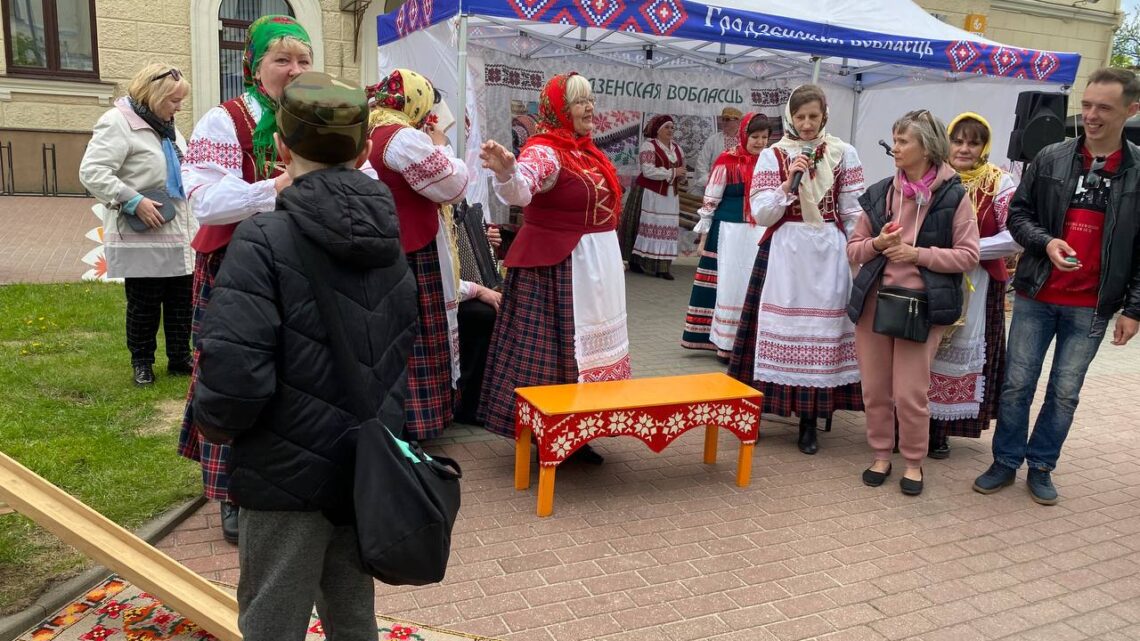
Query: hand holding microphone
column 799, row 166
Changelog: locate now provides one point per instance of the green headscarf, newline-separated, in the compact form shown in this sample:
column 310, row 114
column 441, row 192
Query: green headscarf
column 262, row 32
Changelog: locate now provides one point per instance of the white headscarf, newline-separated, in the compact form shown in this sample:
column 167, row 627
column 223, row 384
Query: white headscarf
column 813, row 188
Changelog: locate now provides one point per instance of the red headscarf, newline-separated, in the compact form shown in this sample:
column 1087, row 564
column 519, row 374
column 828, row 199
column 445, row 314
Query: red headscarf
column 556, row 130
column 739, row 163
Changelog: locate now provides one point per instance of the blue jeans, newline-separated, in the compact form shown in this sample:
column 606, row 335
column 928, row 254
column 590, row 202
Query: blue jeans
column 1079, row 334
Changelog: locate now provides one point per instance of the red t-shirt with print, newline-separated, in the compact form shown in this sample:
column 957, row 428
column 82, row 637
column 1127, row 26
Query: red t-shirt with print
column 1084, row 229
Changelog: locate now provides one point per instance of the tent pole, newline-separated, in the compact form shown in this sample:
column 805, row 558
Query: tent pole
column 461, row 112
column 815, row 61
column 855, row 116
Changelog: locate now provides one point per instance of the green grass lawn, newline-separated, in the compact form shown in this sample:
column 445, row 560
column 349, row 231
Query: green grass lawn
column 70, row 412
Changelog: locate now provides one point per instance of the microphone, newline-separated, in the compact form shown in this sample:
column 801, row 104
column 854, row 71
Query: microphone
column 797, row 177
column 886, row 147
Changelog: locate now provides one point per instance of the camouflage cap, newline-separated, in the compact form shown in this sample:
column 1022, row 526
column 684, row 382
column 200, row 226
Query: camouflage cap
column 323, row 119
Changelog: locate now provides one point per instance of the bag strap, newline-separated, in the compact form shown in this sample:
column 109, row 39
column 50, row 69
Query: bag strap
column 319, row 271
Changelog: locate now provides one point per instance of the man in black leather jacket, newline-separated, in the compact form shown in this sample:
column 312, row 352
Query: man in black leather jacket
column 1075, row 213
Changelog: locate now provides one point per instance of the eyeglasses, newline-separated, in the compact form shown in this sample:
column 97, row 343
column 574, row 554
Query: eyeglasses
column 584, row 101
column 173, row 73
column 1093, row 179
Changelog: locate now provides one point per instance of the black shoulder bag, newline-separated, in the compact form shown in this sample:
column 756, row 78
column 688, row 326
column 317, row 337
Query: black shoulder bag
column 406, row 501
column 901, row 312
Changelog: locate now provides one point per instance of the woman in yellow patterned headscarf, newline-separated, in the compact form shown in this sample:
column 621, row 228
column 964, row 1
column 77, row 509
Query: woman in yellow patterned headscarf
column 971, row 364
column 404, row 97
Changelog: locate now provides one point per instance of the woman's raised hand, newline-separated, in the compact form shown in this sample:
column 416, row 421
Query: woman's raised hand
column 498, row 159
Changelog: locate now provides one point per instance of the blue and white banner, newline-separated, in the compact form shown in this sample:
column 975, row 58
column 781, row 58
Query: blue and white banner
column 684, row 19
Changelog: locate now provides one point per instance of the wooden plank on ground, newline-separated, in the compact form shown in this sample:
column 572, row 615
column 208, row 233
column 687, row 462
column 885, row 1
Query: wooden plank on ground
column 114, row 547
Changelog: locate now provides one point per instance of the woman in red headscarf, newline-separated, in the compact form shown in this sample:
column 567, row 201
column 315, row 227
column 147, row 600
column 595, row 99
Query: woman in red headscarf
column 562, row 318
column 729, row 247
column 662, row 168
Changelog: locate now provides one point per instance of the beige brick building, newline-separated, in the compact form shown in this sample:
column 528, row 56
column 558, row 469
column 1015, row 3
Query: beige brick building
column 54, row 87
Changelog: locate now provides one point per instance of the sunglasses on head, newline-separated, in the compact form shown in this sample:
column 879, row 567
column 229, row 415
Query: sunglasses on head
column 173, row 73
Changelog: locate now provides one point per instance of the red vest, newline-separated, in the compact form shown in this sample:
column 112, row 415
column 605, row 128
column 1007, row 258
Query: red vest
column 211, row 238
column 555, row 220
column 418, row 216
column 828, row 209
column 987, row 226
column 661, row 160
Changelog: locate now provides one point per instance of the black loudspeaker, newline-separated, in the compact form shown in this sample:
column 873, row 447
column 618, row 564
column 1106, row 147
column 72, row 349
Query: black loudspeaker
column 1040, row 122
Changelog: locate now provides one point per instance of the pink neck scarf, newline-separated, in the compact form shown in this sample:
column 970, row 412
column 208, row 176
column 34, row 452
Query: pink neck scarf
column 919, row 190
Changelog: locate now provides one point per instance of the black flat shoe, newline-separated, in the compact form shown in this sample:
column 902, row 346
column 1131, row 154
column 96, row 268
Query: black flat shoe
column 872, row 478
column 808, row 441
column 666, row 276
column 587, row 455
column 911, row 487
column 635, row 267
column 229, row 513
column 144, row 375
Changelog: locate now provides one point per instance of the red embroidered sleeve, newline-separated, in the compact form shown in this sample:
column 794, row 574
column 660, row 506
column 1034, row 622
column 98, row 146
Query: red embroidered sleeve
column 538, row 164
column 765, row 179
column 432, row 169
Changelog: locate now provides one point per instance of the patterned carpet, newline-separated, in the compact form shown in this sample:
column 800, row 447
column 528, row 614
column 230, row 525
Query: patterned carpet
column 118, row 611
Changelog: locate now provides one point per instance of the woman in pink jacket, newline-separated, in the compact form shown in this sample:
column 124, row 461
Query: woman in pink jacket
column 916, row 237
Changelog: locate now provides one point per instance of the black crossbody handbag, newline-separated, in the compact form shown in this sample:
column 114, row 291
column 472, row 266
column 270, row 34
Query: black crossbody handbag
column 902, row 313
column 406, row 501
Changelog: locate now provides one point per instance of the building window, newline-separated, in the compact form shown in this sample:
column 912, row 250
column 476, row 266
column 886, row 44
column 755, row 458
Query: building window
column 53, row 38
column 236, row 16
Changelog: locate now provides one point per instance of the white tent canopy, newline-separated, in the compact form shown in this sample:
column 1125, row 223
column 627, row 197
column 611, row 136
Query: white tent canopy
column 876, row 58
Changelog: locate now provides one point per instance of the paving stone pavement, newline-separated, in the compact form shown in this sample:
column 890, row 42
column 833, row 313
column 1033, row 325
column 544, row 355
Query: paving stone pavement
column 663, row 547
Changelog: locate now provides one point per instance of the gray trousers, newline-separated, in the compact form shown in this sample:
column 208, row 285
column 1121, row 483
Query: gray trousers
column 291, row 561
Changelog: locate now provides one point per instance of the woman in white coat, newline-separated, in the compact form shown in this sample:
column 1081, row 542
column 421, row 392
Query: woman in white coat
column 133, row 167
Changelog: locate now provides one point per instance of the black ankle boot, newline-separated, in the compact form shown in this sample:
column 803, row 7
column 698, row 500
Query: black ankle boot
column 808, row 441
column 939, row 448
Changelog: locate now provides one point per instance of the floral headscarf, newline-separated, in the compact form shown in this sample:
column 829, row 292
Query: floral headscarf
column 827, row 153
column 984, row 179
column 556, row 130
column 262, row 32
column 404, row 97
column 655, row 124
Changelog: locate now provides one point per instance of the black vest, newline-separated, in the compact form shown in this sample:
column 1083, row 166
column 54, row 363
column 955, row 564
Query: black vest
column 943, row 291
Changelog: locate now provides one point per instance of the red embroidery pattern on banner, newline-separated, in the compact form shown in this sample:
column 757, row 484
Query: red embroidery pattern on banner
column 204, row 150
column 427, row 171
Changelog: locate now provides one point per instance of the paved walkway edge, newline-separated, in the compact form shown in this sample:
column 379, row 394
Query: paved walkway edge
column 55, row 598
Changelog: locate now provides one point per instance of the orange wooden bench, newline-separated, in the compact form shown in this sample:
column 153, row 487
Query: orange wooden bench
column 563, row 418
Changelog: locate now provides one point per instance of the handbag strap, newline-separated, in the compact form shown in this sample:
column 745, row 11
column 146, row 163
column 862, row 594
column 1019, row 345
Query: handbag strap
column 319, row 271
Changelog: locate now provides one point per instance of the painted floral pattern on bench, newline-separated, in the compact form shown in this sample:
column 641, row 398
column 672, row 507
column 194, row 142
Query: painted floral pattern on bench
column 560, row 436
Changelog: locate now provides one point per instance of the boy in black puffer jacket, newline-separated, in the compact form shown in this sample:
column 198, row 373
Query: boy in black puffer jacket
column 267, row 382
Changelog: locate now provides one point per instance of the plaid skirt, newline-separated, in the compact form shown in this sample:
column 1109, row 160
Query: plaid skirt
column 993, row 370
column 702, row 300
column 782, row 400
column 213, row 457
column 533, row 341
column 430, row 396
column 630, row 221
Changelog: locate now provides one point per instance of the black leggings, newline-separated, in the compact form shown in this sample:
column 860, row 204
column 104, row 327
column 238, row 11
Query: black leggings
column 148, row 300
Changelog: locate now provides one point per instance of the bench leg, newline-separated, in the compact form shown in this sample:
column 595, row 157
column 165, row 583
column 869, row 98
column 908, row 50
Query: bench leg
column 545, row 490
column 522, row 459
column 710, row 444
column 744, row 465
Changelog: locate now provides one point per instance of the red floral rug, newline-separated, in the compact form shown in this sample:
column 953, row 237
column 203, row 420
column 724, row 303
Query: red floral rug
column 118, row 611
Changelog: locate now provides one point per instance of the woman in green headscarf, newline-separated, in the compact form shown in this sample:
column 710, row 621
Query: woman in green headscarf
column 231, row 173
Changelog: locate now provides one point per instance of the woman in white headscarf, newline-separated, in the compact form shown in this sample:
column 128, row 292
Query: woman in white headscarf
column 795, row 343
